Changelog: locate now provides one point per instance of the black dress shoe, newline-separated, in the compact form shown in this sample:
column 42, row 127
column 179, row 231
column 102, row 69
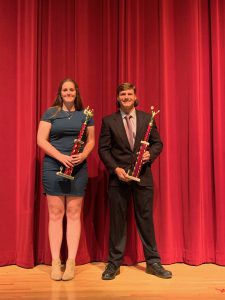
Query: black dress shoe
column 110, row 272
column 158, row 270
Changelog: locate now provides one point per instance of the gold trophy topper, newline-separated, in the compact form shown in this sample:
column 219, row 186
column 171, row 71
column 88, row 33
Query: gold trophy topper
column 89, row 113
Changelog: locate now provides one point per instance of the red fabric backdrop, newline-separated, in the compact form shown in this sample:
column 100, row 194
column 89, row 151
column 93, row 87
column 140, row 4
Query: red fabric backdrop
column 174, row 51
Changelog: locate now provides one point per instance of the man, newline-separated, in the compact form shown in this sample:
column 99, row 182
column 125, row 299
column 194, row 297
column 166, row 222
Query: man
column 119, row 141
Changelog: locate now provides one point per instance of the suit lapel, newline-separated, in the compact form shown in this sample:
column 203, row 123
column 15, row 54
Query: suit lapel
column 140, row 131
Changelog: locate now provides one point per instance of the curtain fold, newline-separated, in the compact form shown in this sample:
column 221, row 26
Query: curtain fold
column 217, row 9
column 173, row 51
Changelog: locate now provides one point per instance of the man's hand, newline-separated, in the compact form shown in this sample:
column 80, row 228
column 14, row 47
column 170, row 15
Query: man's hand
column 146, row 157
column 121, row 174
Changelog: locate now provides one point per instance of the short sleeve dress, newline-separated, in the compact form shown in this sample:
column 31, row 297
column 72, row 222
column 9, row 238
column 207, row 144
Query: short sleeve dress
column 64, row 130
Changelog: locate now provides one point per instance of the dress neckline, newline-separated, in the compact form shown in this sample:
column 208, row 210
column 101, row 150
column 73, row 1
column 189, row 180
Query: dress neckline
column 69, row 113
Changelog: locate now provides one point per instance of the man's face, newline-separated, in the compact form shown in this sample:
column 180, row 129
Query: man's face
column 127, row 99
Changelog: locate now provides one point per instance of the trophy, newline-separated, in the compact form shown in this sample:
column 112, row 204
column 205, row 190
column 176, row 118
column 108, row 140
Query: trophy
column 144, row 144
column 77, row 146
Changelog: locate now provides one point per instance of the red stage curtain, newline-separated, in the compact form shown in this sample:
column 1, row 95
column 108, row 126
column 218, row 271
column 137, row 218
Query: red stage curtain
column 174, row 53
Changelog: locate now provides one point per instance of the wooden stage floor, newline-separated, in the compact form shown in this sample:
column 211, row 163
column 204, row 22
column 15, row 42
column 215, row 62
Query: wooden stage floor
column 202, row 282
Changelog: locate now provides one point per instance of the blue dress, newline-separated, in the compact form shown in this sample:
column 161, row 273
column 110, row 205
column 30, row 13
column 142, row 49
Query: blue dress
column 65, row 128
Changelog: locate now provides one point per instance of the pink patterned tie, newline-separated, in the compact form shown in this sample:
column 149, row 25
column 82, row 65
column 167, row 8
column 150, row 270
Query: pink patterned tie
column 129, row 131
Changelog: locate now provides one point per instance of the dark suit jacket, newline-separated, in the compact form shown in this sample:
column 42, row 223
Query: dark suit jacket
column 114, row 149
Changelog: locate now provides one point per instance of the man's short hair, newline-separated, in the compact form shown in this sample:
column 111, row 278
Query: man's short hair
column 125, row 86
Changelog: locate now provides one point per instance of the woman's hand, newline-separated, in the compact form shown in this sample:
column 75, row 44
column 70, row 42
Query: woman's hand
column 66, row 160
column 78, row 158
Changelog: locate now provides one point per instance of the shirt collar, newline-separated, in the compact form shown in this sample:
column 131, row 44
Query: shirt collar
column 133, row 113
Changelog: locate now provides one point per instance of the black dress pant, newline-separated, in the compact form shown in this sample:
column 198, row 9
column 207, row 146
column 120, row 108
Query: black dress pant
column 119, row 199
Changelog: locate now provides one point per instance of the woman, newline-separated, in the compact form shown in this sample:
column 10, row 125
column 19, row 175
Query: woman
column 58, row 128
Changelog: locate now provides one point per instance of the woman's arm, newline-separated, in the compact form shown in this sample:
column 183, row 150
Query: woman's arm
column 90, row 143
column 43, row 142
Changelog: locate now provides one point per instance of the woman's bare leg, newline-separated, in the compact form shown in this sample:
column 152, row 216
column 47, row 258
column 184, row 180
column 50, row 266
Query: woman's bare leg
column 56, row 209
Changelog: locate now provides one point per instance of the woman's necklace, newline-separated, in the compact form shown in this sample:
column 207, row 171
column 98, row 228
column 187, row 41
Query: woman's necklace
column 69, row 113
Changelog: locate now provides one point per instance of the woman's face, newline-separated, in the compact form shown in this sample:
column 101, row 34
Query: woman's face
column 68, row 92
